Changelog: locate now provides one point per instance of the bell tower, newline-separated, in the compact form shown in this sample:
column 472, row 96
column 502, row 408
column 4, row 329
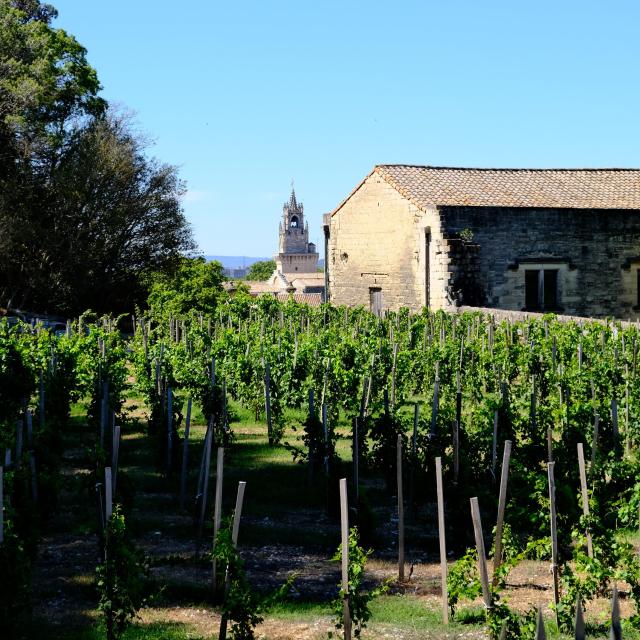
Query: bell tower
column 295, row 252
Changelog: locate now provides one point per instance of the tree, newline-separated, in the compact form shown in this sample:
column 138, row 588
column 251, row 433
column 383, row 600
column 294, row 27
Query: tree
column 261, row 270
column 106, row 215
column 126, row 215
column 83, row 210
column 191, row 284
column 45, row 79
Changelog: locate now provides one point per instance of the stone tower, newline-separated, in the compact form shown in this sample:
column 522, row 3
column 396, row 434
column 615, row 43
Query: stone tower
column 295, row 253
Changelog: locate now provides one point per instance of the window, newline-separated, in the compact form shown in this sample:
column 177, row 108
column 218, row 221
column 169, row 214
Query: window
column 375, row 300
column 541, row 289
column 294, row 222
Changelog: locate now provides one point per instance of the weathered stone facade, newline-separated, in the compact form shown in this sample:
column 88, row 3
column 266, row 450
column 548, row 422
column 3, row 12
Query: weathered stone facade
column 295, row 252
column 296, row 271
column 388, row 247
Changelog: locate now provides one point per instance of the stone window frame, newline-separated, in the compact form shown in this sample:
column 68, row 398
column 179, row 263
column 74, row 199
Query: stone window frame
column 629, row 264
column 541, row 289
column 545, row 263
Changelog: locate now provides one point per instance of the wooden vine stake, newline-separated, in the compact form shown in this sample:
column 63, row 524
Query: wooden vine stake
column 459, row 394
column 400, row 512
column 29, row 421
column 234, row 539
column 494, row 446
column 627, row 437
column 41, row 401
column 436, row 401
column 502, row 501
column 267, row 402
column 325, row 431
column 533, row 406
column 201, row 471
column 554, row 536
column 115, row 450
column 614, row 424
column 169, row 429
column 356, row 461
column 393, row 375
column 205, row 485
column 482, row 558
column 101, row 520
column 312, row 407
column 456, row 451
column 414, row 457
column 104, row 410
column 1, row 505
column 616, row 629
column 580, row 630
column 108, row 495
column 594, row 445
column 585, row 494
column 185, row 456
column 443, row 542
column 344, row 531
column 217, row 513
column 540, row 632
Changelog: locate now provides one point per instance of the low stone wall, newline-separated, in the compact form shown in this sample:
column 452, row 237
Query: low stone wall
column 519, row 316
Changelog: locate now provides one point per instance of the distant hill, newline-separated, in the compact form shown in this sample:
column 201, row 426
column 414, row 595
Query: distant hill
column 235, row 262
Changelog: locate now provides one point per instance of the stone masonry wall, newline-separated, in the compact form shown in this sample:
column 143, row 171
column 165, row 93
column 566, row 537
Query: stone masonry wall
column 597, row 254
column 377, row 239
column 499, row 315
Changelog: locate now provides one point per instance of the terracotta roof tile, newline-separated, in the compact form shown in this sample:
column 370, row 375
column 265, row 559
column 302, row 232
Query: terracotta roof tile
column 553, row 188
column 312, row 299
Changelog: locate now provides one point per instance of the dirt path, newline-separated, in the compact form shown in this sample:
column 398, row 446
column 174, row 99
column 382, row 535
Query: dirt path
column 65, row 598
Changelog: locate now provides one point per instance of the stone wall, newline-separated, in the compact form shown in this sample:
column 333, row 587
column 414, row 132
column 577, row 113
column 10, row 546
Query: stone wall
column 294, row 240
column 519, row 316
column 377, row 239
column 296, row 262
column 597, row 254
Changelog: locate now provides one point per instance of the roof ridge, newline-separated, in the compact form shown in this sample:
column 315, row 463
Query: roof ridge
column 514, row 169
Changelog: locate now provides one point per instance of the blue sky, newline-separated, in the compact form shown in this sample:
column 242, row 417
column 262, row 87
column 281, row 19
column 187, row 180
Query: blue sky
column 246, row 96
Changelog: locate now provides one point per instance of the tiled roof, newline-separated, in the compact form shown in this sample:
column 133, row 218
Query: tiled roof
column 553, row 188
column 312, row 299
column 258, row 286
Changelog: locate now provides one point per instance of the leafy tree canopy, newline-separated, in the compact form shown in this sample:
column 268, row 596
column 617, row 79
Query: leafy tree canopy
column 261, row 270
column 45, row 79
column 83, row 210
column 192, row 284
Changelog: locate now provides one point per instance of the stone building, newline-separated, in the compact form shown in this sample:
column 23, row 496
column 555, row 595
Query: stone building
column 561, row 240
column 296, row 273
column 295, row 253
column 297, row 258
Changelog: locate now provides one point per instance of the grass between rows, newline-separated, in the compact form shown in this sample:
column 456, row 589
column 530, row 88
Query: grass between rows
column 277, row 487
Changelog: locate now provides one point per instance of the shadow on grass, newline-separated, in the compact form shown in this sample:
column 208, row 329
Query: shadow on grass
column 152, row 631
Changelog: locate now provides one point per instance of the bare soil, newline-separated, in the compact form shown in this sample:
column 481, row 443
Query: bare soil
column 63, row 574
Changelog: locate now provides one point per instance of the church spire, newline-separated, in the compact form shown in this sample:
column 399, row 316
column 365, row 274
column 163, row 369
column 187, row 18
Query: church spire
column 293, row 203
column 295, row 252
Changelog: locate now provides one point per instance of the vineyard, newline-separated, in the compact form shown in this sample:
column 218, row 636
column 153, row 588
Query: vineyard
column 282, row 471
